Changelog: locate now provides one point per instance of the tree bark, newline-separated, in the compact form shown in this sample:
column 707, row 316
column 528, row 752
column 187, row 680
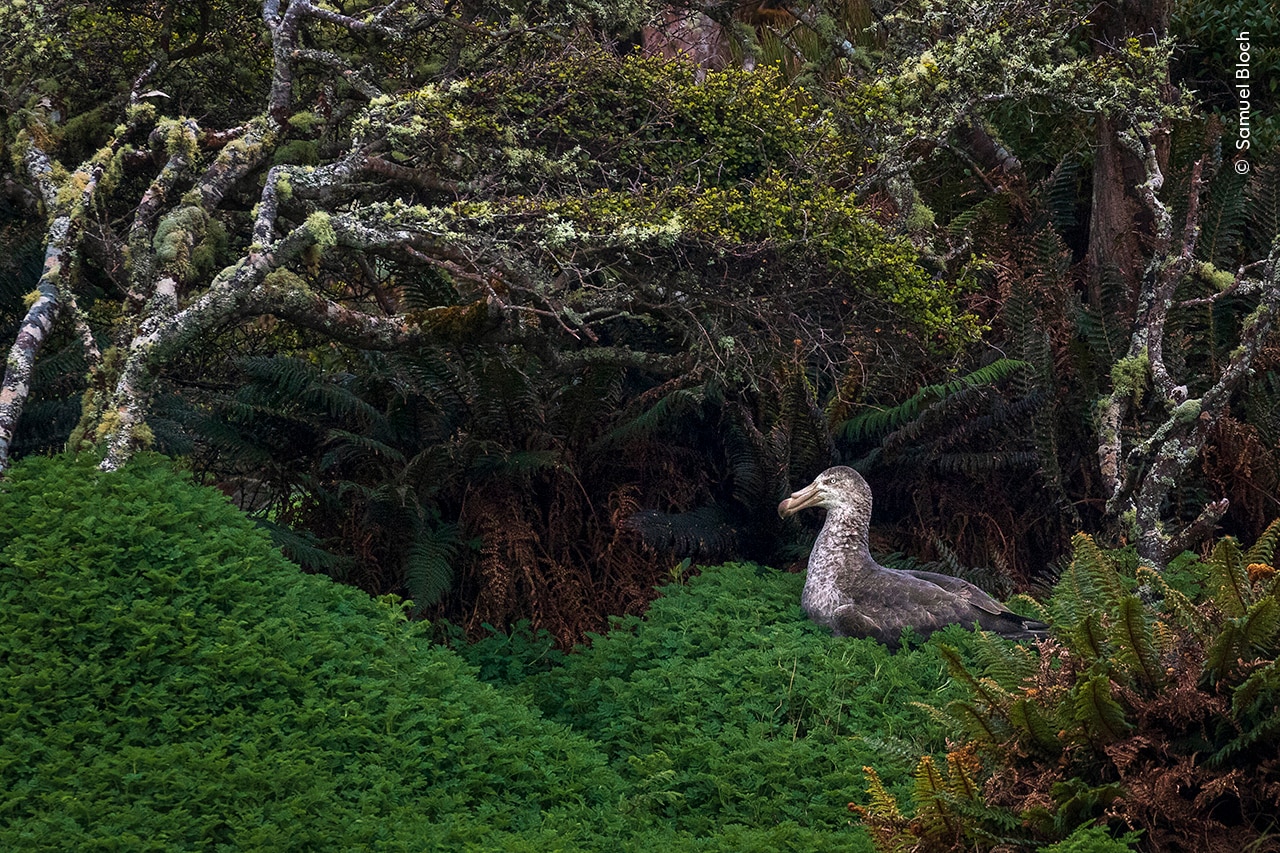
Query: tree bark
column 1121, row 228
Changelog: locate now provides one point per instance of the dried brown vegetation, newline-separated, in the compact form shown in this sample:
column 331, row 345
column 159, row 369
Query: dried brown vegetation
column 1154, row 719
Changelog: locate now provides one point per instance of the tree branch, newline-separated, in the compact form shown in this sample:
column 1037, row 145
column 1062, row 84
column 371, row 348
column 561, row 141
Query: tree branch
column 59, row 266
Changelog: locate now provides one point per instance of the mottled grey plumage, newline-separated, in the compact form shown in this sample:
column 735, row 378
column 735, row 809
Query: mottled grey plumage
column 849, row 592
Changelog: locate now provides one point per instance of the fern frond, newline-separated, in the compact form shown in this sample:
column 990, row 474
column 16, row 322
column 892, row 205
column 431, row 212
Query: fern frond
column 963, row 767
column 303, row 548
column 1061, row 195
column 436, row 378
column 930, row 794
column 429, row 564
column 905, row 751
column 668, row 409
column 515, row 463
column 1132, row 635
column 1222, row 218
column 1175, row 602
column 1025, row 605
column 1009, row 664
column 1095, row 567
column 348, row 446
column 748, row 463
column 427, row 287
column 1088, row 638
column 706, row 532
column 877, row 422
column 1258, row 692
column 993, row 209
column 1226, row 651
column 1263, row 734
column 283, row 384
column 979, row 465
column 808, row 441
column 1263, row 195
column 225, row 437
column 46, row 424
column 943, row 719
column 1260, row 625
column 1263, row 549
column 1229, row 575
column 1262, row 405
column 336, row 397
column 1104, row 330
column 1097, row 710
column 54, row 366
column 882, row 804
column 995, row 697
column 1027, row 716
column 977, row 723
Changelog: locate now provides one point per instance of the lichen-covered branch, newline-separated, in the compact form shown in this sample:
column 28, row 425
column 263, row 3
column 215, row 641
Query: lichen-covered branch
column 1140, row 480
column 65, row 203
column 32, row 334
column 166, row 328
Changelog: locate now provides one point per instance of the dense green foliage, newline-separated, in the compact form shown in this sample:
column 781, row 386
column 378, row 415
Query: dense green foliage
column 724, row 704
column 509, row 306
column 171, row 681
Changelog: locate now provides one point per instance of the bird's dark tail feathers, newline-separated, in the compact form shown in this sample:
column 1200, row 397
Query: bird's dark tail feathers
column 1015, row 627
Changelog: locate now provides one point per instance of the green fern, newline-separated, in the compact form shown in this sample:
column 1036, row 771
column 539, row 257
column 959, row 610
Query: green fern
column 993, row 209
column 1229, row 574
column 1041, row 731
column 707, row 532
column 1260, row 625
column 1263, row 550
column 1262, row 207
column 1061, row 193
column 1096, row 709
column 347, row 446
column 876, row 422
column 994, row 697
column 1222, row 219
column 1010, row 664
column 1104, row 328
column 424, row 287
column 666, row 410
column 429, row 563
column 933, row 815
column 1135, row 642
column 1174, row 601
column 1100, row 573
column 1258, row 692
column 303, row 548
column 1088, row 637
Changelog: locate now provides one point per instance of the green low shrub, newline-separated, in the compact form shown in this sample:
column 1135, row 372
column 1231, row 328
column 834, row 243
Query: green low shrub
column 171, row 682
column 724, row 704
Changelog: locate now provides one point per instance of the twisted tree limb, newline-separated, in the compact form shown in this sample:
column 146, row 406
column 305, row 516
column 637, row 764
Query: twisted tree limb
column 1140, row 479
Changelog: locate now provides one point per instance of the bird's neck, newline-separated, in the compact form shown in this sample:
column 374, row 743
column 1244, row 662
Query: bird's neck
column 845, row 532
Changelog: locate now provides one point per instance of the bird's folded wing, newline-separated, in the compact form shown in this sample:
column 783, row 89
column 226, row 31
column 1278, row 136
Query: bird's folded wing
column 963, row 589
column 893, row 600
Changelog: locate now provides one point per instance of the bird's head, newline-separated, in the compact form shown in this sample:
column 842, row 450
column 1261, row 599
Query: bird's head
column 835, row 488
